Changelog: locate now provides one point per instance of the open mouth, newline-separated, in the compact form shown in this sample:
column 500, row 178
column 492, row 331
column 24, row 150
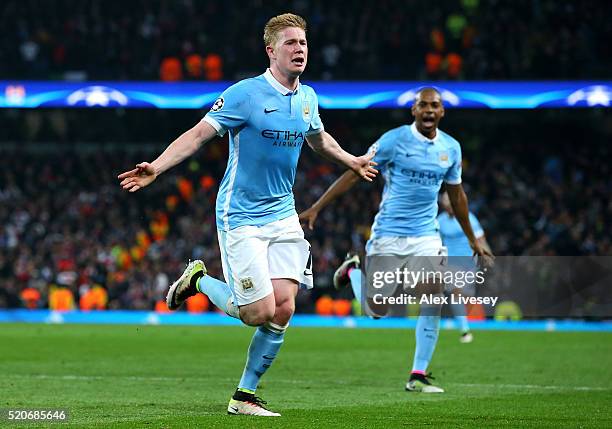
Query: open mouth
column 298, row 61
column 429, row 121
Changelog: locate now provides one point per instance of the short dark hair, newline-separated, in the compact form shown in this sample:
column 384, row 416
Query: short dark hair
column 428, row 88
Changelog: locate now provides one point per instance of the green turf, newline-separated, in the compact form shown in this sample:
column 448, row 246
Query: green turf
column 182, row 377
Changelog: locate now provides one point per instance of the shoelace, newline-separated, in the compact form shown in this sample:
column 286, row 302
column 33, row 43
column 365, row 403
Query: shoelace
column 259, row 402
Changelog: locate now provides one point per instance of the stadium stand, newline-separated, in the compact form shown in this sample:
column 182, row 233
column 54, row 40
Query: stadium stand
column 189, row 40
column 64, row 220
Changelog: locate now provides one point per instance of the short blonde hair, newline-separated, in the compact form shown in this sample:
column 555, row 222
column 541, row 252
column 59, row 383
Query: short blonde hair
column 279, row 23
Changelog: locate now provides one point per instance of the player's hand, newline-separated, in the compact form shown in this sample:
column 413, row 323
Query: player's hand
column 485, row 257
column 309, row 216
column 143, row 175
column 364, row 166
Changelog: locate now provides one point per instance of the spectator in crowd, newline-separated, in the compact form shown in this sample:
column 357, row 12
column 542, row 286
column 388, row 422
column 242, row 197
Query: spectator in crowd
column 64, row 224
column 387, row 39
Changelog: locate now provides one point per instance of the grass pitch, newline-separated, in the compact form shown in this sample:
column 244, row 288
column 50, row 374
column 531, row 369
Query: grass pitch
column 183, row 377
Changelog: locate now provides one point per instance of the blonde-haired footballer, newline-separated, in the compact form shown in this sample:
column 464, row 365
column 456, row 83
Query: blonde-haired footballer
column 264, row 254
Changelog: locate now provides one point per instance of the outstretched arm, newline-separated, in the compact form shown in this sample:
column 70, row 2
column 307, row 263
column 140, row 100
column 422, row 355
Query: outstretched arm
column 339, row 187
column 184, row 146
column 325, row 145
column 459, row 202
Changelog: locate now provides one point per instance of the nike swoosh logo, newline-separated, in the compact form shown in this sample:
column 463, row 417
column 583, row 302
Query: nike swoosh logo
column 270, row 110
column 235, row 409
column 307, row 273
column 409, row 155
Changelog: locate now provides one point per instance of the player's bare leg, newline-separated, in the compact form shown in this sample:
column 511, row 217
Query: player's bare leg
column 264, row 346
column 426, row 332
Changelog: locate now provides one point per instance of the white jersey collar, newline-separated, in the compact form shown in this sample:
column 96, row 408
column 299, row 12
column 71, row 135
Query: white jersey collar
column 420, row 137
column 278, row 86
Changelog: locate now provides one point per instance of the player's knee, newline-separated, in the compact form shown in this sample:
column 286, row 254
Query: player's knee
column 257, row 316
column 433, row 307
column 430, row 288
column 284, row 312
column 257, row 319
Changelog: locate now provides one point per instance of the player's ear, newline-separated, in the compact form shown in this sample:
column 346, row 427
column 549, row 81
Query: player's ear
column 413, row 109
column 270, row 52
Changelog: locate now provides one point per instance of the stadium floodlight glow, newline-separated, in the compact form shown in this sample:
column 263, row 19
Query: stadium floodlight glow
column 332, row 95
column 597, row 95
column 98, row 95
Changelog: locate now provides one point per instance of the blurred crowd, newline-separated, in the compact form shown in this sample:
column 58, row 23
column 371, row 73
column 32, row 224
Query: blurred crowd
column 385, row 39
column 66, row 224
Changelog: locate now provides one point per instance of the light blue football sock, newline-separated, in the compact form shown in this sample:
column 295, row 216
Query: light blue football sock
column 262, row 351
column 460, row 316
column 219, row 293
column 355, row 276
column 426, row 333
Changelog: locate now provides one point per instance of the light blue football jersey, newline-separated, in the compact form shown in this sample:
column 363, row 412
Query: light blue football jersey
column 413, row 168
column 453, row 236
column 267, row 126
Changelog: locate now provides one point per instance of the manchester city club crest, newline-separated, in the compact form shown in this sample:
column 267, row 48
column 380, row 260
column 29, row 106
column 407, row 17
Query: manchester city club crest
column 306, row 111
column 443, row 159
column 246, row 283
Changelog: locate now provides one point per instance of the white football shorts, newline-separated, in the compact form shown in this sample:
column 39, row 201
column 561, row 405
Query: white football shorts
column 254, row 255
column 430, row 245
column 388, row 254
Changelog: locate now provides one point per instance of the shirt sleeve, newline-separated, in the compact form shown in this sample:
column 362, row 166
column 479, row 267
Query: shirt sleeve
column 231, row 110
column 316, row 125
column 476, row 227
column 453, row 175
column 384, row 150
